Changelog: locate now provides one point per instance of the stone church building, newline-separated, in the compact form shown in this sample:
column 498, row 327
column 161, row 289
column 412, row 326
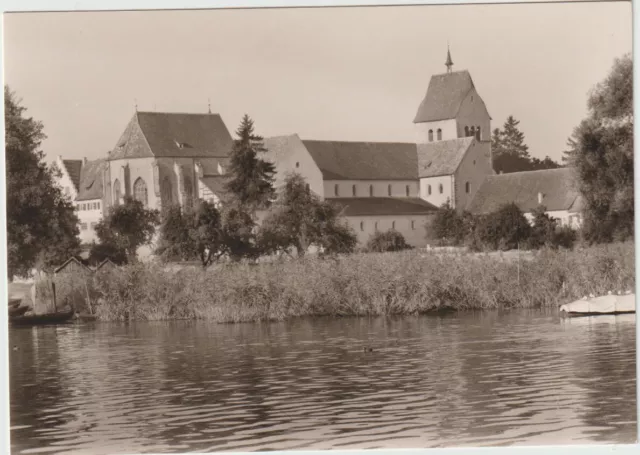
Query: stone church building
column 168, row 158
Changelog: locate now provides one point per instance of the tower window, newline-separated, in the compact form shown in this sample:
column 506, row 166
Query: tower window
column 389, row 189
column 297, row 164
column 429, row 190
column 393, row 225
column 439, row 134
column 335, row 190
column 362, row 225
column 408, row 191
column 466, row 187
column 441, row 188
column 430, row 135
column 477, row 132
column 371, row 190
column 353, row 189
column 413, row 225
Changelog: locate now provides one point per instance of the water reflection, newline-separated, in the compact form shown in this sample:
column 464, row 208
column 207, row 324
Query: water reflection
column 472, row 379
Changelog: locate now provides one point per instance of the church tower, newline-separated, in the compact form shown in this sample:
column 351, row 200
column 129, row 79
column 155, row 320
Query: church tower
column 453, row 135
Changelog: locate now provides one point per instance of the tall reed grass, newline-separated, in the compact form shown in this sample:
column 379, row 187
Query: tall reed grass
column 408, row 282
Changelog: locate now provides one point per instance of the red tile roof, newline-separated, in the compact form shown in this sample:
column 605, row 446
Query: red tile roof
column 340, row 160
column 522, row 188
column 371, row 206
column 442, row 157
column 444, row 96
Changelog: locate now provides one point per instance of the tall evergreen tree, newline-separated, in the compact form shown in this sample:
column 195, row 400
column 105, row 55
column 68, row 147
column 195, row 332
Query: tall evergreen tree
column 251, row 182
column 42, row 227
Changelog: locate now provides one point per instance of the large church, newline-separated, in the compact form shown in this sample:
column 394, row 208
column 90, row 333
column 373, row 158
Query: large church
column 173, row 158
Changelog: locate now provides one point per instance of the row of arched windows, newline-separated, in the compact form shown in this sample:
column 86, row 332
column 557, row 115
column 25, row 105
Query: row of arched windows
column 473, row 131
column 354, row 190
column 438, row 133
column 393, row 225
column 140, row 192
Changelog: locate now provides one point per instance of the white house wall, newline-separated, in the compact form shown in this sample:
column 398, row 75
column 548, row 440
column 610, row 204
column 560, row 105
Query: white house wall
column 89, row 213
column 565, row 218
column 448, row 127
column 436, row 198
column 473, row 168
column 363, row 188
column 412, row 227
column 64, row 181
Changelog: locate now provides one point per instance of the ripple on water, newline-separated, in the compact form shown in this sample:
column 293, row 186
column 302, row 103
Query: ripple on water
column 429, row 382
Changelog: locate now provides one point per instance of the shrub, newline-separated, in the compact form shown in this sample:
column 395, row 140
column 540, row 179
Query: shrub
column 382, row 242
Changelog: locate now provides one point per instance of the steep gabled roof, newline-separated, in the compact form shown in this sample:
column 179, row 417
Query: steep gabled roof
column 163, row 134
column 444, row 96
column 442, row 157
column 73, row 168
column 364, row 160
column 382, row 206
column 90, row 186
column 522, row 188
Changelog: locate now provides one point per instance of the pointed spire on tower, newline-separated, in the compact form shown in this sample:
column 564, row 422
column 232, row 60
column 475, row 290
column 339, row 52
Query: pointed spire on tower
column 449, row 62
column 135, row 104
column 209, row 104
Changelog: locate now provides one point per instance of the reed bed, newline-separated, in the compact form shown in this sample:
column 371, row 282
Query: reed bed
column 409, row 282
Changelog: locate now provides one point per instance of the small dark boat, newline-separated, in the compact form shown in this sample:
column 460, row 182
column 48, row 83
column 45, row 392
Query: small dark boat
column 18, row 311
column 43, row 319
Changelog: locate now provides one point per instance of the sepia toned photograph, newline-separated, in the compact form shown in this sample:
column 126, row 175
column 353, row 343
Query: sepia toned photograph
column 320, row 228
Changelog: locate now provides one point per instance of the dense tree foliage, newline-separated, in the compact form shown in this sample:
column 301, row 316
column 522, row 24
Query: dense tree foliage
column 601, row 152
column 127, row 227
column 448, row 227
column 42, row 227
column 511, row 154
column 251, row 182
column 299, row 219
column 388, row 241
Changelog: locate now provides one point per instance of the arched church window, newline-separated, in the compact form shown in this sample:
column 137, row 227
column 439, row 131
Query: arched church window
column 188, row 191
column 393, row 225
column 116, row 192
column 408, row 190
column 440, row 188
column 473, row 131
column 429, row 190
column 478, row 133
column 466, row 131
column 166, row 192
column 353, row 190
column 430, row 135
column 336, row 191
column 140, row 191
column 466, row 187
column 376, row 226
column 413, row 225
column 439, row 134
column 370, row 190
column 389, row 189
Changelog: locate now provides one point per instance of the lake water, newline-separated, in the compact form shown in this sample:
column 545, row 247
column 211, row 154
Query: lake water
column 525, row 377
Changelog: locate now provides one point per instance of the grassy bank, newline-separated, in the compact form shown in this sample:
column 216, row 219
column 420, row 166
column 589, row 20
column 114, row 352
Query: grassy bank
column 368, row 284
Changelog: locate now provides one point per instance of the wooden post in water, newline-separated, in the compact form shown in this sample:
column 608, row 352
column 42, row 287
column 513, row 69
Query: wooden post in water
column 53, row 293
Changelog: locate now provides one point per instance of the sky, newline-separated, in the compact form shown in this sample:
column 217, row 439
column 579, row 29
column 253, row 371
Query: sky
column 352, row 74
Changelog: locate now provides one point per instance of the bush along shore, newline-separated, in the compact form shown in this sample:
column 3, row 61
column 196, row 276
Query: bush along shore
column 408, row 282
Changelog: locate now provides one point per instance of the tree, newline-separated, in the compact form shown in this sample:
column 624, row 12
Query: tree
column 251, row 182
column 299, row 219
column 238, row 232
column 391, row 240
column 127, row 227
column 601, row 152
column 205, row 232
column 447, row 227
column 511, row 154
column 504, row 229
column 42, row 227
column 173, row 241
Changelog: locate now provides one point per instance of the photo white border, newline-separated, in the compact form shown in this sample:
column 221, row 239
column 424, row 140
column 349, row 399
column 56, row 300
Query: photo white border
column 108, row 5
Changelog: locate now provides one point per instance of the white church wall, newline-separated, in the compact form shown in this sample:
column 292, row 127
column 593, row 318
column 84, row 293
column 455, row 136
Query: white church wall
column 448, row 127
column 412, row 227
column 473, row 112
column 435, row 196
column 138, row 168
column 473, row 169
column 380, row 188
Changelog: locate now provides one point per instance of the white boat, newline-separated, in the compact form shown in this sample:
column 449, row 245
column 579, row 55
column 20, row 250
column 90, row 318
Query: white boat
column 606, row 304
